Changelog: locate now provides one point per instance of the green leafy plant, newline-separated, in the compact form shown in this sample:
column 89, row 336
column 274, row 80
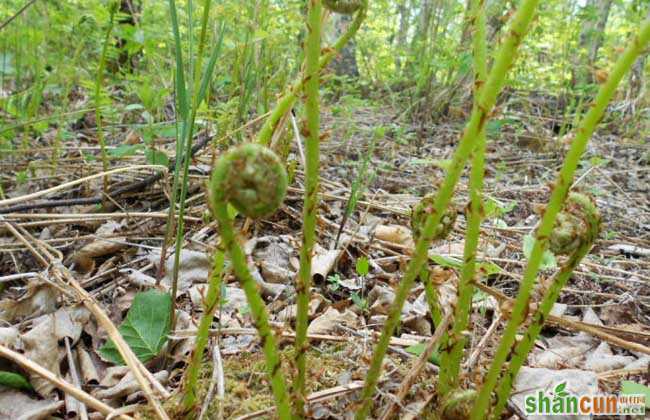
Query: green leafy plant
column 190, row 98
column 145, row 328
column 334, row 282
column 360, row 301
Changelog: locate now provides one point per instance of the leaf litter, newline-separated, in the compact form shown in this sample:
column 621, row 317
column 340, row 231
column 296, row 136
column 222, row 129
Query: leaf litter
column 117, row 260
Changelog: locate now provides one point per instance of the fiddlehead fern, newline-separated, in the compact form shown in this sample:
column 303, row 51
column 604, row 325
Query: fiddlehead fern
column 344, row 7
column 253, row 180
column 423, row 209
column 574, row 233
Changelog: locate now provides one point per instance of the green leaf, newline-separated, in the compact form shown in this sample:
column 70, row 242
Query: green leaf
column 156, row 157
column 548, row 259
column 488, row 268
column 166, row 131
column 418, row 349
column 362, row 266
column 559, row 388
column 14, row 380
column 446, row 261
column 145, row 328
column 133, row 107
column 124, row 150
column 632, row 388
column 361, row 303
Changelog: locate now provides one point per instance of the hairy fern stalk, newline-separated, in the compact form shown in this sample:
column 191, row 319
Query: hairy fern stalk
column 310, row 205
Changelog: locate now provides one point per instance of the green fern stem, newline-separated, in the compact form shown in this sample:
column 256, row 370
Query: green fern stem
column 431, row 295
column 560, row 191
column 287, row 100
column 586, row 227
column 310, row 205
column 419, row 215
column 253, row 180
column 212, row 300
column 99, row 82
column 452, row 354
column 478, row 119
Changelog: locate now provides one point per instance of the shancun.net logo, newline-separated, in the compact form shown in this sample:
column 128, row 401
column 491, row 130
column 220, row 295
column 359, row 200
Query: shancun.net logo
column 561, row 402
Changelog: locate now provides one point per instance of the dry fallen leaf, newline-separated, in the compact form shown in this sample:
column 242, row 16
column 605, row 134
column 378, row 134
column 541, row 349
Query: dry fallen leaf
column 16, row 405
column 532, row 380
column 40, row 298
column 328, row 322
column 397, row 234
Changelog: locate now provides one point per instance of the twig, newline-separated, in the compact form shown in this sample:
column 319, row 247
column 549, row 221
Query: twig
column 136, row 186
column 217, row 381
column 484, row 340
column 181, row 334
column 142, row 375
column 74, row 375
column 19, row 276
column 18, row 13
column 319, row 396
column 296, row 133
column 417, row 367
column 60, row 187
column 593, row 330
column 64, row 386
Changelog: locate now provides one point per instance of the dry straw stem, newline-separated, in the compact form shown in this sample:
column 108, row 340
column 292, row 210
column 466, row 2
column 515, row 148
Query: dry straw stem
column 64, row 386
column 417, row 367
column 480, row 115
column 558, row 195
column 212, row 302
column 63, row 186
column 141, row 374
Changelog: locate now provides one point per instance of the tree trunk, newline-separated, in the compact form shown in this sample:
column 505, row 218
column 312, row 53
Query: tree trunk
column 404, row 19
column 345, row 64
column 591, row 38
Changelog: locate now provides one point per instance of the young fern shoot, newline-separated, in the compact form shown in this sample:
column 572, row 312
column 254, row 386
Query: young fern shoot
column 310, row 204
column 575, row 232
column 253, row 180
column 558, row 196
column 478, row 119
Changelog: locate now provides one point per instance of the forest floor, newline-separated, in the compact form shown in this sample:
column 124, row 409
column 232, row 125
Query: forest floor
column 600, row 328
